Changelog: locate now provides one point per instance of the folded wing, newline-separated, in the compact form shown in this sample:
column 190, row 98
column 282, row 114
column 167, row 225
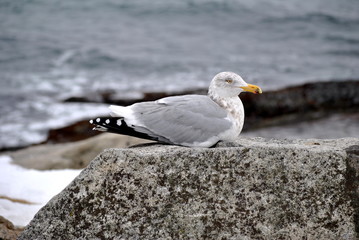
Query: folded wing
column 191, row 120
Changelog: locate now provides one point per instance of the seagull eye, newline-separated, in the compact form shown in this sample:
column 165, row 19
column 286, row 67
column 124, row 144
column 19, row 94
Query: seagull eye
column 230, row 81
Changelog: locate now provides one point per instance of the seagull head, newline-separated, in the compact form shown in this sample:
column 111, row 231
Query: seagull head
column 229, row 84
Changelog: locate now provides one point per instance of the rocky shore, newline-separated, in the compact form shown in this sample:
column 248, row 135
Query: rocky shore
column 250, row 189
column 8, row 231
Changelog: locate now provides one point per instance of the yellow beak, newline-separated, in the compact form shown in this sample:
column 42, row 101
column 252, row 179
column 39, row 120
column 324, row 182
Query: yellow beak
column 252, row 88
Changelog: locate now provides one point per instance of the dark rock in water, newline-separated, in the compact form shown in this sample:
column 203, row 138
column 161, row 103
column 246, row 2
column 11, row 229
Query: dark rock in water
column 254, row 189
column 7, row 230
column 111, row 97
column 320, row 96
column 74, row 132
column 99, row 97
column 300, row 103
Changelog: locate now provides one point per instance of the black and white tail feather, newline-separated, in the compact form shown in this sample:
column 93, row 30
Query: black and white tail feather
column 119, row 126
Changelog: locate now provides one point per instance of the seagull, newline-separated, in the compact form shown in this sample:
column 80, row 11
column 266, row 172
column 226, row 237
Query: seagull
column 187, row 120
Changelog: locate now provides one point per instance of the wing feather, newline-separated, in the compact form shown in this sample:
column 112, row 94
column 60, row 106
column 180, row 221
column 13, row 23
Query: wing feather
column 183, row 119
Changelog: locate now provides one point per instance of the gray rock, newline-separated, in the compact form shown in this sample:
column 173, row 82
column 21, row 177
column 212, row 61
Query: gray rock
column 251, row 189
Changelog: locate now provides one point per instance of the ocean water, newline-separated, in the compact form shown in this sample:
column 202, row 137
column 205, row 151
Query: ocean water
column 52, row 50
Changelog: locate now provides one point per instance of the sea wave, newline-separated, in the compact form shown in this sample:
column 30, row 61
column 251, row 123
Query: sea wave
column 88, row 58
column 343, row 39
column 315, row 18
column 177, row 7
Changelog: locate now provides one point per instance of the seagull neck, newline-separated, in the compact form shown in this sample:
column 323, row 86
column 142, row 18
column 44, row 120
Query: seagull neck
column 222, row 101
column 234, row 107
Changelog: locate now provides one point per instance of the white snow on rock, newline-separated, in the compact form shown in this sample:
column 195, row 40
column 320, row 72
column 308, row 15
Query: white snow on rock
column 33, row 186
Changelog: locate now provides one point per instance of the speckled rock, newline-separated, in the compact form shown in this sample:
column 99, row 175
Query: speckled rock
column 250, row 189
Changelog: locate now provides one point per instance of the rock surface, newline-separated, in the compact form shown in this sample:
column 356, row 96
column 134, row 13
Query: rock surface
column 250, row 189
column 74, row 155
column 7, row 230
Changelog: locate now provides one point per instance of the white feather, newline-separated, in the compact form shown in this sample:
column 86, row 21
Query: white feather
column 126, row 113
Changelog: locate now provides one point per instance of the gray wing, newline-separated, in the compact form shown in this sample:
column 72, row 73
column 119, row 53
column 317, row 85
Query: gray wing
column 183, row 119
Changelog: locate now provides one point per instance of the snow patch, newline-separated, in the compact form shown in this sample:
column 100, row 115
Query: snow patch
column 34, row 186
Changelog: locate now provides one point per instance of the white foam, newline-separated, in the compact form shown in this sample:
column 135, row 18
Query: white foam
column 18, row 130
